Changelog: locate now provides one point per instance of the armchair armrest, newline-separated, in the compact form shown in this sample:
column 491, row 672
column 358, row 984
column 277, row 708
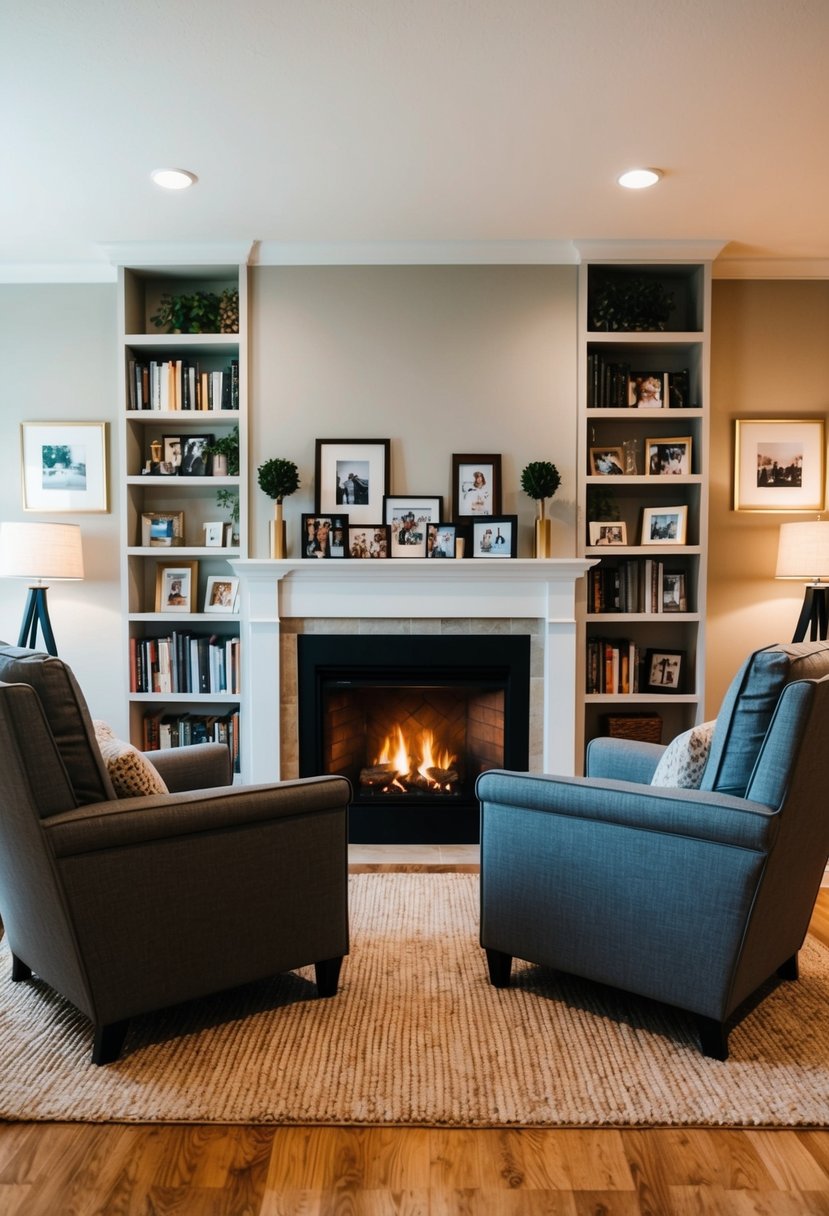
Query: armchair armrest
column 139, row 821
column 623, row 759
column 200, row 766
column 718, row 818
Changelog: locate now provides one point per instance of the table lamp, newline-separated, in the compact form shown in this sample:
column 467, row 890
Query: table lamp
column 41, row 552
column 803, row 553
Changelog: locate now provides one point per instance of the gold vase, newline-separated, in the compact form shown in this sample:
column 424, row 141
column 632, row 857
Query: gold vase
column 543, row 537
column 279, row 542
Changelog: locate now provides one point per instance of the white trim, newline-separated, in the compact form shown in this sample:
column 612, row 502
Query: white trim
column 649, row 251
column 415, row 253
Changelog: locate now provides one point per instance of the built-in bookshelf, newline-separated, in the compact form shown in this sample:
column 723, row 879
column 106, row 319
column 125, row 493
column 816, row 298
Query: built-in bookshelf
column 643, row 493
column 184, row 515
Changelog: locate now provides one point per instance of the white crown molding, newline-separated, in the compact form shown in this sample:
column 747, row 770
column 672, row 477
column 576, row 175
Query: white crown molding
column 414, row 253
column 178, row 253
column 649, row 251
column 771, row 268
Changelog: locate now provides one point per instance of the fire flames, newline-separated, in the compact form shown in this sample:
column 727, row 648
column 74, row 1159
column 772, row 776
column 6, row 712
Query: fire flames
column 409, row 763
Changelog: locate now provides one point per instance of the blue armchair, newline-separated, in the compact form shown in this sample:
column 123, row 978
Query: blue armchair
column 691, row 896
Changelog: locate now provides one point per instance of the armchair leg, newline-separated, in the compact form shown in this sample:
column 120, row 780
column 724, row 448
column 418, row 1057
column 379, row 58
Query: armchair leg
column 499, row 965
column 789, row 970
column 713, row 1038
column 109, row 1040
column 328, row 975
column 20, row 970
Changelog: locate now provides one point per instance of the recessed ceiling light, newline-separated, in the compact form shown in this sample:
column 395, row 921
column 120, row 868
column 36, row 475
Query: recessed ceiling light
column 639, row 179
column 173, row 179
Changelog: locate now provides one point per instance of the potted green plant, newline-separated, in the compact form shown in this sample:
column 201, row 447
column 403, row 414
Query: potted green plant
column 278, row 478
column 540, row 480
column 632, row 302
column 197, row 313
column 228, row 500
column 225, row 454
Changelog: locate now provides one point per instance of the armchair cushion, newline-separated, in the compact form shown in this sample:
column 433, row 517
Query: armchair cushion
column 130, row 772
column 683, row 761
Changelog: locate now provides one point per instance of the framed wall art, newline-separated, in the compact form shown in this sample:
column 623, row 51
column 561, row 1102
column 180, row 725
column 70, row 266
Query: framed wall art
column 476, row 486
column 496, row 537
column 352, row 475
column 779, row 464
column 63, row 466
column 664, row 671
column 408, row 516
column 176, row 584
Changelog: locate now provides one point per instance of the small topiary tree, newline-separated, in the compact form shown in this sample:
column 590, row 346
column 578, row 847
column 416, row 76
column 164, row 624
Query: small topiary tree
column 540, row 480
column 278, row 478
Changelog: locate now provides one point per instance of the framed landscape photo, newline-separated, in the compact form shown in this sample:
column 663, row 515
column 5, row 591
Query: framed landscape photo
column 607, row 462
column 325, row 536
column 440, row 540
column 64, row 466
column 476, row 486
column 608, row 532
column 368, row 540
column 664, row 525
column 162, row 529
column 779, row 464
column 175, row 586
column 221, row 593
column 668, row 457
column 352, row 475
column 496, row 537
column 664, row 671
column 408, row 516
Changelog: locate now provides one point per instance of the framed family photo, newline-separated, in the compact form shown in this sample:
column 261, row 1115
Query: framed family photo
column 476, row 486
column 440, row 540
column 325, row 536
column 664, row 525
column 607, row 462
column 408, row 517
column 668, row 457
column 779, row 464
column 608, row 532
column 64, row 466
column 175, row 586
column 368, row 540
column 496, row 537
column 352, row 476
column 221, row 593
column 664, row 671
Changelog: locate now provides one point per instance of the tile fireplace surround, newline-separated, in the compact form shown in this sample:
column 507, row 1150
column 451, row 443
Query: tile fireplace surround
column 280, row 599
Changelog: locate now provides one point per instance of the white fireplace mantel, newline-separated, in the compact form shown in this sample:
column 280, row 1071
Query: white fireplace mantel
column 271, row 591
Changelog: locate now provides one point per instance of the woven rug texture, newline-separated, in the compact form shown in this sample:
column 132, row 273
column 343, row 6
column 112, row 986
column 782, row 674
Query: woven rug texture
column 417, row 1035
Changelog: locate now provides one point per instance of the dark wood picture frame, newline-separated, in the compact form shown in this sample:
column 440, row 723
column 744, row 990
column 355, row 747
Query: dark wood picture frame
column 495, row 537
column 352, row 476
column 476, row 485
column 368, row 541
column 664, row 670
column 324, row 535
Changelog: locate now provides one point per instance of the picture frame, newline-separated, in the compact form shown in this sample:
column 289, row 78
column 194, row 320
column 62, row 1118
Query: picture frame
column 186, row 455
column 496, row 537
column 608, row 532
column 441, row 540
column 648, row 390
column 608, row 461
column 368, row 541
column 162, row 529
column 214, row 534
column 407, row 516
column 779, row 464
column 476, row 485
column 176, row 584
column 221, row 593
column 664, row 670
column 669, row 457
column 324, row 536
column 64, row 467
column 664, row 525
column 674, row 594
column 352, row 476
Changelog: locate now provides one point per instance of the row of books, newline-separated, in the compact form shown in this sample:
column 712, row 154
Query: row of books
column 181, row 730
column 184, row 662
column 176, row 384
column 614, row 665
column 613, row 385
column 636, row 585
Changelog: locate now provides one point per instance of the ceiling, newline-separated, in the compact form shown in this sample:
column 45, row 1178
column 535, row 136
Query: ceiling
column 399, row 130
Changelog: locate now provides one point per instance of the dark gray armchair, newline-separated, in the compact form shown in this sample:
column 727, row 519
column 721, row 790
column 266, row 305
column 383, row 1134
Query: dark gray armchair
column 129, row 905
column 692, row 896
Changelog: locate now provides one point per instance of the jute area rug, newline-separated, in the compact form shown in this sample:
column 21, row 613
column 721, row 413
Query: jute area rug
column 417, row 1035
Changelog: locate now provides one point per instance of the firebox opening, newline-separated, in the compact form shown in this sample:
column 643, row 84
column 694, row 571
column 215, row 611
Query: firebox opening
column 411, row 721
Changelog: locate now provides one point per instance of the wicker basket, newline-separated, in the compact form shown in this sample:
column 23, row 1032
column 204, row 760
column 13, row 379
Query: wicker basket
column 645, row 727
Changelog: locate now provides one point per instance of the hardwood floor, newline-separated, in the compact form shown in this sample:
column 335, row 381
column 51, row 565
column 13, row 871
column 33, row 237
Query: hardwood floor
column 208, row 1170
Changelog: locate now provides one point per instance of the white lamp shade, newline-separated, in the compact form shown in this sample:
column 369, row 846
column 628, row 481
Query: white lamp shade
column 40, row 551
column 803, row 551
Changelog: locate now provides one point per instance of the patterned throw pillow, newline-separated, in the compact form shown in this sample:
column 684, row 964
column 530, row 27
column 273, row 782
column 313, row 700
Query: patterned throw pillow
column 683, row 760
column 129, row 770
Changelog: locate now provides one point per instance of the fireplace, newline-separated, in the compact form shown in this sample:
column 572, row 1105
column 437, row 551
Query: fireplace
column 412, row 720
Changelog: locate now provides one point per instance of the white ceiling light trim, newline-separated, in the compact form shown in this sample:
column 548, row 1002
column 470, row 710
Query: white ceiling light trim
column 173, row 179
column 639, row 179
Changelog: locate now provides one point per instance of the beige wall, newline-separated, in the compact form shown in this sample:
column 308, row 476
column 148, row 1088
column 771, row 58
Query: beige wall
column 770, row 358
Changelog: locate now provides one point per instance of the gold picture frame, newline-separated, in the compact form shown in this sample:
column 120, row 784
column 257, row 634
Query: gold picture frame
column 779, row 464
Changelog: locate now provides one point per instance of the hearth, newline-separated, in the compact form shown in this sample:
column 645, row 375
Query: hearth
column 412, row 720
